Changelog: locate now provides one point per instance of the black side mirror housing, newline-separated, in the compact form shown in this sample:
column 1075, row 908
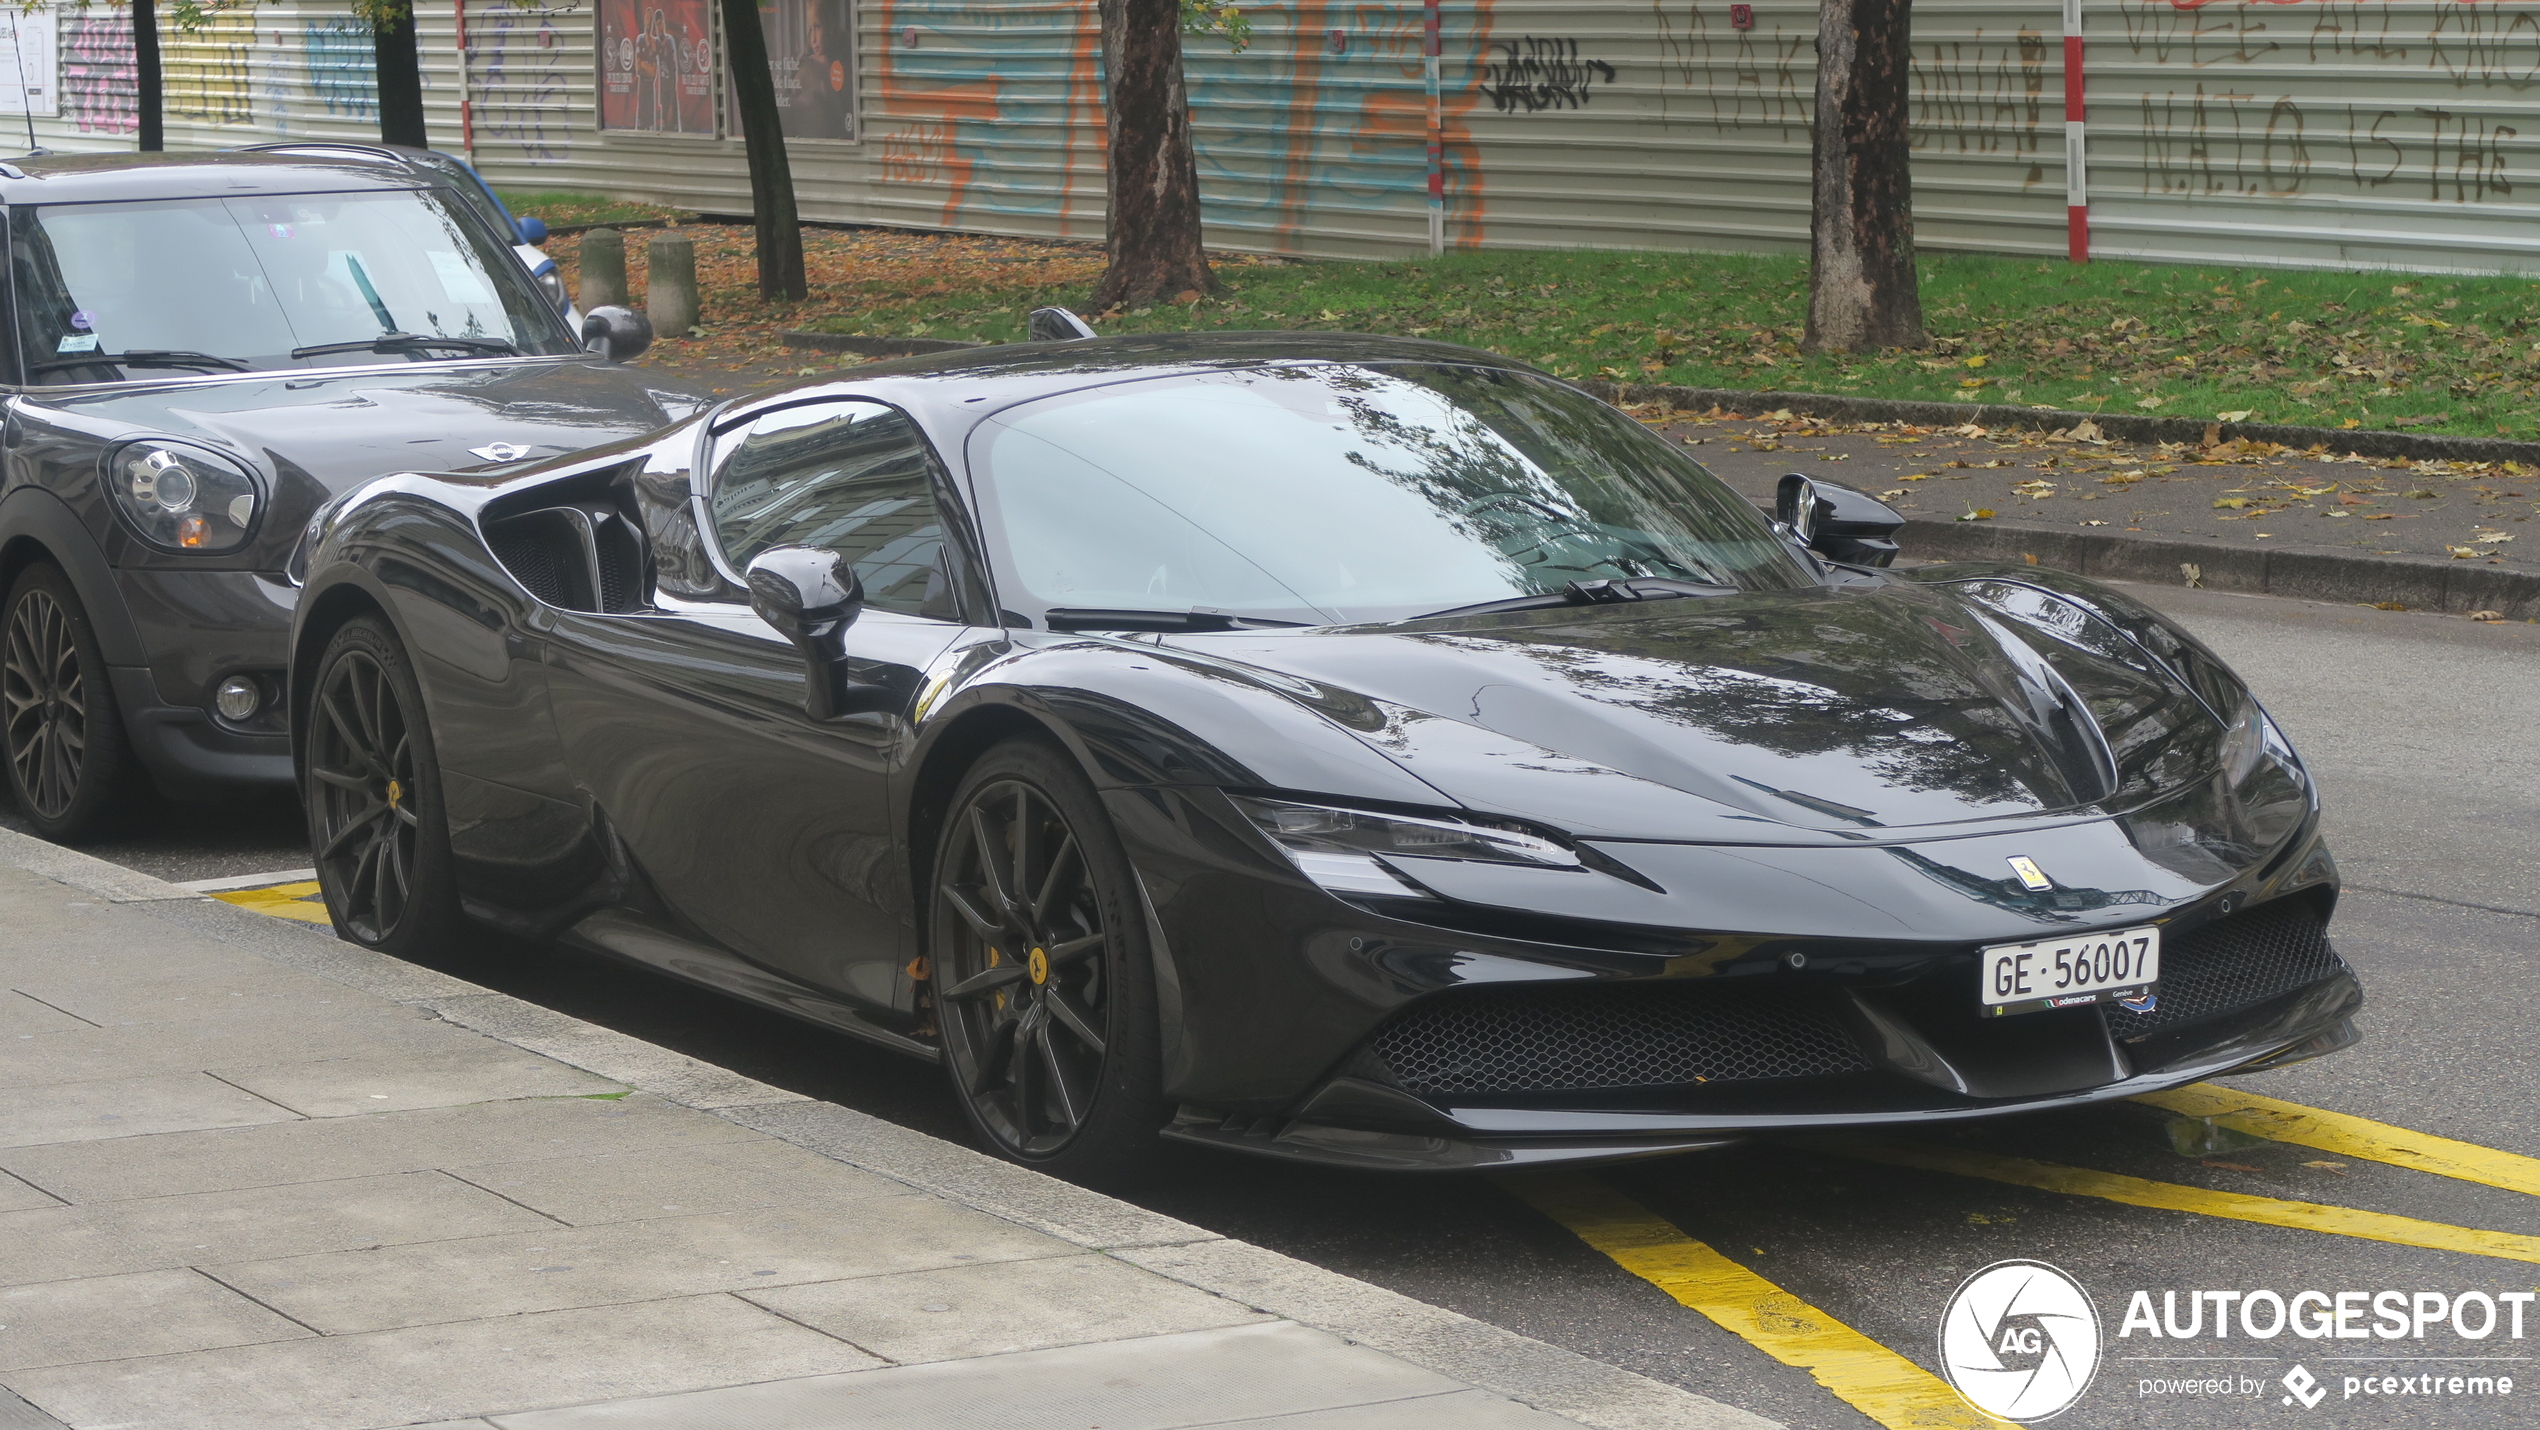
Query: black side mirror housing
column 1837, row 522
column 811, row 597
column 616, row 334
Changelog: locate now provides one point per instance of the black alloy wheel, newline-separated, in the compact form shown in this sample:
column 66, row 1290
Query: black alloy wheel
column 373, row 791
column 1043, row 993
column 70, row 766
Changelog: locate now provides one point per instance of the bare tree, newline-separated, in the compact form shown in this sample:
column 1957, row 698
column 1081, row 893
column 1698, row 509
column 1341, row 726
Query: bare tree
column 1861, row 284
column 780, row 228
column 1152, row 240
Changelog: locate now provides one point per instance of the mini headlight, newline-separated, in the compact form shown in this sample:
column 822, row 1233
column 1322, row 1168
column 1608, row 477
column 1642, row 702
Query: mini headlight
column 551, row 283
column 1339, row 848
column 183, row 497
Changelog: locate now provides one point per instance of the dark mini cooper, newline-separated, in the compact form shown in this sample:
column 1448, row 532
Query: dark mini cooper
column 203, row 352
column 1365, row 751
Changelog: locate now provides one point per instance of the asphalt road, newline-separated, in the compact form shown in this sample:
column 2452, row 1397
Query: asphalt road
column 2419, row 729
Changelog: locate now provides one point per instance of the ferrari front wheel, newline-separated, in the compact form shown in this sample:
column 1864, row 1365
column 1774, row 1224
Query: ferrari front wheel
column 1044, row 995
column 377, row 825
column 70, row 766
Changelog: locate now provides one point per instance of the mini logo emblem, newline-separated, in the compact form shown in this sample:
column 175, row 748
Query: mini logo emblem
column 2020, row 1340
column 2032, row 878
column 499, row 451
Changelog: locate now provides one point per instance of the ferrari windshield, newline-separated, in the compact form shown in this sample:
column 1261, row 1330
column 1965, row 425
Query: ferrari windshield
column 112, row 291
column 1340, row 493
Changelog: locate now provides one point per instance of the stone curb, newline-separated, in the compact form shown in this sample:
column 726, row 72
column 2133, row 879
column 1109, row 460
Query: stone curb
column 2125, row 427
column 872, row 347
column 2418, row 583
column 1482, row 1355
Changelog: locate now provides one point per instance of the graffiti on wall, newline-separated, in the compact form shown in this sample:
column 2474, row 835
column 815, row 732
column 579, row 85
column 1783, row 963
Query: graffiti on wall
column 204, row 74
column 989, row 109
column 2437, row 121
column 99, row 83
column 521, row 88
column 1531, row 73
column 343, row 65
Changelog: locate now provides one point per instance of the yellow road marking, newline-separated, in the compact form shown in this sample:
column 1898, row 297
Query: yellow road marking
column 1860, row 1372
column 283, row 901
column 2355, row 1137
column 2170, row 1196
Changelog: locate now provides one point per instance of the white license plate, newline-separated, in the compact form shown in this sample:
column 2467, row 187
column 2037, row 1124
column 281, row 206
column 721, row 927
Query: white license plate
column 2114, row 966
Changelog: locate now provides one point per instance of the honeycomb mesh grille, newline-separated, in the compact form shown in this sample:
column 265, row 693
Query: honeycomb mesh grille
column 532, row 562
column 1617, row 1035
column 2234, row 962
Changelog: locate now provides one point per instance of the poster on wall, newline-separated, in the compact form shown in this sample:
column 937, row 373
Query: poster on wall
column 810, row 55
column 28, row 55
column 656, row 67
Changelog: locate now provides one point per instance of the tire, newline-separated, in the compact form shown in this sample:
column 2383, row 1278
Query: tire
column 71, row 764
column 378, row 828
column 1046, row 1001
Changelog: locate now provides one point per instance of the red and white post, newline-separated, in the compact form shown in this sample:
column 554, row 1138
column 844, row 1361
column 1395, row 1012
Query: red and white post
column 1431, row 50
column 2076, row 170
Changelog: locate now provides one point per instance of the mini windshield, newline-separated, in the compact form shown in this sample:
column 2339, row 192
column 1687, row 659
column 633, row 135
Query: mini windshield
column 111, row 291
column 1328, row 493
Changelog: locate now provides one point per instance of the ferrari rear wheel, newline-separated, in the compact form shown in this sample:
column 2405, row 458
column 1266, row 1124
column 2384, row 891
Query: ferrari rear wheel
column 1043, row 990
column 70, row 764
column 377, row 825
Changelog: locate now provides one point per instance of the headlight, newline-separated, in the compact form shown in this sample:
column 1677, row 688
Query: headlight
column 1343, row 849
column 182, row 497
column 551, row 283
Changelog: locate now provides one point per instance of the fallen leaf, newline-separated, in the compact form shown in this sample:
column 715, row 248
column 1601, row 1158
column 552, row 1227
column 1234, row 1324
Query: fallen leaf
column 2377, row 516
column 2148, row 403
column 2242, row 415
column 2233, row 503
column 2229, row 1166
column 1970, row 384
column 2388, row 606
column 2486, row 615
column 2338, row 1167
column 2351, row 423
column 1978, row 513
column 1900, row 491
column 2489, row 536
column 2194, row 573
column 2094, row 523
column 1977, row 361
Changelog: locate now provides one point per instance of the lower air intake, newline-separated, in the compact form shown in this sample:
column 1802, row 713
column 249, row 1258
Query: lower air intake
column 2234, row 962
column 1610, row 1035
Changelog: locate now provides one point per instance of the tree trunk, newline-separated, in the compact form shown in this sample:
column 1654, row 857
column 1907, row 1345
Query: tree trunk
column 1152, row 242
column 392, row 40
column 1861, row 285
column 147, row 91
column 780, row 229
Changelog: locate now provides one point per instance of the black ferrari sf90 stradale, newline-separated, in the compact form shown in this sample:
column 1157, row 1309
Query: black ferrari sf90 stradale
column 1368, row 752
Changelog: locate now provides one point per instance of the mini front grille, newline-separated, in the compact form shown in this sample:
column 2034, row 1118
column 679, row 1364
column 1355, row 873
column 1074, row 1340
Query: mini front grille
column 1610, row 1035
column 2234, row 962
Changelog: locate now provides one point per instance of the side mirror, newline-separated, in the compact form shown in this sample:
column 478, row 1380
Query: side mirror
column 1837, row 522
column 533, row 231
column 810, row 597
column 1056, row 325
column 616, row 334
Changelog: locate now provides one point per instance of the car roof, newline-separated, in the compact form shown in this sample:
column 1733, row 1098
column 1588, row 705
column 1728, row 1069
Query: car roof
column 100, row 178
column 975, row 381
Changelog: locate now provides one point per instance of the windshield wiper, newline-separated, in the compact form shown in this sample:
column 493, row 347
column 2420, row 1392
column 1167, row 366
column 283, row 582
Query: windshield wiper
column 408, row 342
column 143, row 357
column 1588, row 593
column 1079, row 618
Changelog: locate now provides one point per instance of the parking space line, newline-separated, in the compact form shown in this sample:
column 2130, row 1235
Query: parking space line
column 2171, row 1196
column 1860, row 1372
column 2356, row 1137
column 283, row 901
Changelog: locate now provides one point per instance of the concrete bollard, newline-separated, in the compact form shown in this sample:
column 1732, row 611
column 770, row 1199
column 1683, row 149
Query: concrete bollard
column 603, row 269
column 670, row 284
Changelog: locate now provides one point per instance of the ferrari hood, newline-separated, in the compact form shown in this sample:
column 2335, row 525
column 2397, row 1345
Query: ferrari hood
column 1816, row 715
column 343, row 429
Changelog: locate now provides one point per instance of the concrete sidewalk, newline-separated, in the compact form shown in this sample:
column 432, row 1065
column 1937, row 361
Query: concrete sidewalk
column 252, row 1178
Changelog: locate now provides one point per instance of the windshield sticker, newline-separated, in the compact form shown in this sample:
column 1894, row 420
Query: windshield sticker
column 83, row 320
column 458, row 278
column 278, row 230
column 77, row 343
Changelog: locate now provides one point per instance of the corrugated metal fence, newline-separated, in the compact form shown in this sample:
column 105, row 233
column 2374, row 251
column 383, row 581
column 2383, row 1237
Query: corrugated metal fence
column 2333, row 132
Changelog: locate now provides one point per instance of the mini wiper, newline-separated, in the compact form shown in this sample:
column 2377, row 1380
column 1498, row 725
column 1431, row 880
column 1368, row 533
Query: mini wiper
column 408, row 342
column 1079, row 618
column 1588, row 593
column 143, row 357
